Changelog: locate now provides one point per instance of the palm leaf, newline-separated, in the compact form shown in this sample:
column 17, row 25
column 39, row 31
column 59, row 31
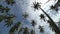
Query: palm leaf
column 10, row 2
column 9, row 20
column 26, row 30
column 41, row 28
column 32, row 32
column 33, row 23
column 7, row 9
column 15, row 27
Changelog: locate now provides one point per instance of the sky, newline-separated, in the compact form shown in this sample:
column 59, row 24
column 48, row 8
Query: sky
column 23, row 6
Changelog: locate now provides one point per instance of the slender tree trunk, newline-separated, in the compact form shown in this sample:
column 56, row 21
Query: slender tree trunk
column 53, row 25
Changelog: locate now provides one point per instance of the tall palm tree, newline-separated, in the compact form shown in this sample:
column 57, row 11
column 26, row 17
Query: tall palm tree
column 53, row 25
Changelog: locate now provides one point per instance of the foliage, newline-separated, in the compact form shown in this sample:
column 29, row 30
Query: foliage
column 33, row 23
column 36, row 5
column 11, row 2
column 15, row 27
column 25, row 15
column 42, row 17
column 32, row 32
column 26, row 30
column 41, row 28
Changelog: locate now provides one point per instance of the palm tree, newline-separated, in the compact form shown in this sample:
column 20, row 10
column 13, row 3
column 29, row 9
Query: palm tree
column 33, row 24
column 42, row 17
column 53, row 25
column 16, row 26
column 41, row 28
column 26, row 31
column 36, row 5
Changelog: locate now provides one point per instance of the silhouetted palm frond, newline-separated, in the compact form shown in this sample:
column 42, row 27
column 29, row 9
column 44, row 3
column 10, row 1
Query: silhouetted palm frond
column 33, row 23
column 41, row 28
column 42, row 17
column 36, row 5
column 54, row 8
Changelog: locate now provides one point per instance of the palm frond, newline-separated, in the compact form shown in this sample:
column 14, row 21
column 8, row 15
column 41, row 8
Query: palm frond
column 9, row 20
column 32, row 32
column 36, row 5
column 26, row 30
column 14, row 28
column 33, row 23
column 6, row 9
column 41, row 28
column 11, row 2
column 42, row 17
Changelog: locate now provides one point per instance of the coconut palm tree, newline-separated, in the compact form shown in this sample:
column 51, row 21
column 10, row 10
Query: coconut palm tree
column 54, row 26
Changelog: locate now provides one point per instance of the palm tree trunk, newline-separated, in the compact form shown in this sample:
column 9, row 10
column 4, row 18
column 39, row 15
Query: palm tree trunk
column 53, row 25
